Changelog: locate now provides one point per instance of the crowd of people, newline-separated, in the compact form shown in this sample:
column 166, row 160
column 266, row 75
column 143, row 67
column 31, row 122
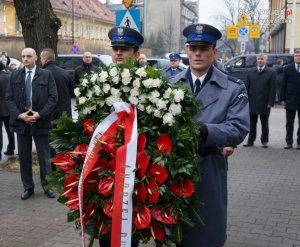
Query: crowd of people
column 32, row 97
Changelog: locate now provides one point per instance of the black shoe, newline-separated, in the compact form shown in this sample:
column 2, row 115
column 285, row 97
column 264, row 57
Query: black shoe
column 50, row 193
column 27, row 193
column 288, row 147
column 248, row 145
column 265, row 145
column 9, row 153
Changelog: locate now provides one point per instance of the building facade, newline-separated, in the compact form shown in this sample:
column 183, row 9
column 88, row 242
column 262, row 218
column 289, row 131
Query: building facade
column 281, row 15
column 89, row 19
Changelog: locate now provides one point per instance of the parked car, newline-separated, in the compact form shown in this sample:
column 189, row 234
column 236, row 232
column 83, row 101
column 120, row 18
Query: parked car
column 239, row 65
column 70, row 61
column 161, row 63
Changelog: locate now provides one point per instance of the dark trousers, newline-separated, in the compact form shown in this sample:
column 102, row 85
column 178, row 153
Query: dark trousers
column 264, row 119
column 10, row 135
column 106, row 243
column 290, row 118
column 25, row 156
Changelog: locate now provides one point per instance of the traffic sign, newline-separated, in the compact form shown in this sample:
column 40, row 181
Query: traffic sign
column 243, row 47
column 128, row 18
column 232, row 32
column 254, row 32
column 75, row 49
column 243, row 21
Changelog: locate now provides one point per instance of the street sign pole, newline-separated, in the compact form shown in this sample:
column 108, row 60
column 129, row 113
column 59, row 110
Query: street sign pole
column 292, row 37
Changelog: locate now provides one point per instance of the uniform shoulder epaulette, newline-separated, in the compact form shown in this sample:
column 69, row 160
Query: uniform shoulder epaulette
column 234, row 79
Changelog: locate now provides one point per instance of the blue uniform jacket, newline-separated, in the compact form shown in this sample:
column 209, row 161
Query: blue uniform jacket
column 225, row 112
column 168, row 72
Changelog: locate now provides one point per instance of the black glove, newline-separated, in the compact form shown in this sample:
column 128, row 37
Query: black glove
column 203, row 132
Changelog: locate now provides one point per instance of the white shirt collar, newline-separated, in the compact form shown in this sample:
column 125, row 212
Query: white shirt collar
column 201, row 78
column 33, row 70
column 262, row 68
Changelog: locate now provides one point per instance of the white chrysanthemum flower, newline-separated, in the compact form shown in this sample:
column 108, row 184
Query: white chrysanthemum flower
column 154, row 95
column 94, row 77
column 147, row 83
column 136, row 83
column 157, row 113
column 149, row 109
column 175, row 109
column 113, row 72
column 126, row 81
column 89, row 94
column 97, row 90
column 141, row 72
column 116, row 79
column 168, row 119
column 134, row 92
column 110, row 100
column 161, row 104
column 77, row 92
column 84, row 82
column 141, row 107
column 86, row 111
column 106, row 88
column 126, row 89
column 168, row 93
column 133, row 100
column 115, row 92
column 178, row 95
column 125, row 73
column 103, row 76
column 156, row 82
column 82, row 100
column 142, row 98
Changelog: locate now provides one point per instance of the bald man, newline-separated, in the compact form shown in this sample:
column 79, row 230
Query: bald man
column 86, row 68
column 31, row 97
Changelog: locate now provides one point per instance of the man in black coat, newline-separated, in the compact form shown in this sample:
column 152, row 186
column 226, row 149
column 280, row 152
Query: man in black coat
column 31, row 98
column 290, row 98
column 4, row 114
column 261, row 88
column 86, row 67
column 63, row 81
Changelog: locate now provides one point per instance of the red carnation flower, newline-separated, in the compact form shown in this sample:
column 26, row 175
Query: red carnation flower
column 141, row 142
column 165, row 215
column 158, row 172
column 141, row 217
column 153, row 191
column 184, row 190
column 140, row 192
column 89, row 126
column 164, row 144
column 142, row 161
column 106, row 186
column 157, row 231
column 108, row 209
column 64, row 162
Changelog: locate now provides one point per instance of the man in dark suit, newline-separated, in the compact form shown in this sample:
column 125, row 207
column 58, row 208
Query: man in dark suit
column 4, row 114
column 290, row 98
column 31, row 98
column 63, row 81
column 86, row 67
column 261, row 88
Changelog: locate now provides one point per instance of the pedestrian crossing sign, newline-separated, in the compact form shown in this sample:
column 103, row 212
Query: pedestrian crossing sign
column 128, row 18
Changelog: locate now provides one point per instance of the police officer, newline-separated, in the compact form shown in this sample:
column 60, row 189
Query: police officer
column 224, row 122
column 174, row 68
column 125, row 44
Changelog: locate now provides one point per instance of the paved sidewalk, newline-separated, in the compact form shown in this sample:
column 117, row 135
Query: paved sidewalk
column 264, row 201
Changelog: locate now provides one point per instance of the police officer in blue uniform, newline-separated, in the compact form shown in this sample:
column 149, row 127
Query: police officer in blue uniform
column 223, row 121
column 174, row 68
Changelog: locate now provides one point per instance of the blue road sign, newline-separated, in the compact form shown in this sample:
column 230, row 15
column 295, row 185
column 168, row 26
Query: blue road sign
column 75, row 49
column 128, row 18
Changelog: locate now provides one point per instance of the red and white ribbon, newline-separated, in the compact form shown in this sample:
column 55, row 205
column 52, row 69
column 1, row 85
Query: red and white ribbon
column 124, row 174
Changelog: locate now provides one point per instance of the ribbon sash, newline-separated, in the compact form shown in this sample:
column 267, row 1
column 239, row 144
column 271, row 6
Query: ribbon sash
column 124, row 176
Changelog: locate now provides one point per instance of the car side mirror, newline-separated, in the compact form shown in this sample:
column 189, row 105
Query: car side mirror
column 228, row 66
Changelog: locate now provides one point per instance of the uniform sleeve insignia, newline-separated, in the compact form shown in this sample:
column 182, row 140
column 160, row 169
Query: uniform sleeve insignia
column 243, row 94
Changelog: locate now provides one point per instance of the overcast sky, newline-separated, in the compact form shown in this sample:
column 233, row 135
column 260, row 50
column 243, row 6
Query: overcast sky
column 208, row 10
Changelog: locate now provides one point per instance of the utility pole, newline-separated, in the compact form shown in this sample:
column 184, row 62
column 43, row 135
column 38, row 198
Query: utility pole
column 292, row 37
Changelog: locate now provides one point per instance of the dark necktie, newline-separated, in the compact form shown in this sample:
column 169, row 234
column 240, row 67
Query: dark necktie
column 197, row 86
column 173, row 71
column 260, row 69
column 28, row 90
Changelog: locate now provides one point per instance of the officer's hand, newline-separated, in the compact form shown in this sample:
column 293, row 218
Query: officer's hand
column 35, row 115
column 227, row 151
